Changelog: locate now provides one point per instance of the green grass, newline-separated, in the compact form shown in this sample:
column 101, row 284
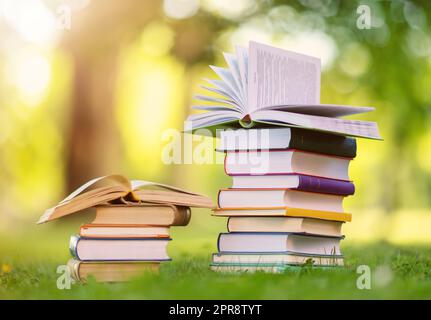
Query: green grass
column 397, row 272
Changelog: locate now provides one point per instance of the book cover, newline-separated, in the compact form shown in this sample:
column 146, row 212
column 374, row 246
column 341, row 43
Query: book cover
column 300, row 182
column 286, row 138
column 108, row 253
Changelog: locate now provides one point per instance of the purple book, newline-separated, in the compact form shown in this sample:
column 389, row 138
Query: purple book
column 294, row 181
column 325, row 185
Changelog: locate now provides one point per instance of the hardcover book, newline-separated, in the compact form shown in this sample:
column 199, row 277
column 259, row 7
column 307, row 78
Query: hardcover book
column 123, row 231
column 267, row 198
column 143, row 214
column 250, row 268
column 119, row 249
column 294, row 181
column 110, row 271
column 278, row 162
column 286, row 138
column 276, row 259
column 282, row 212
column 271, row 242
column 260, row 267
column 285, row 224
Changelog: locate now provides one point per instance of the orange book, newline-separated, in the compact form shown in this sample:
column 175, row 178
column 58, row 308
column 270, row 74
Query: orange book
column 281, row 212
column 110, row 271
column 143, row 214
column 123, row 231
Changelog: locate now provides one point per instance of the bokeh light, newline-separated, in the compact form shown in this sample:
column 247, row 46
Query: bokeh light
column 180, row 9
column 30, row 72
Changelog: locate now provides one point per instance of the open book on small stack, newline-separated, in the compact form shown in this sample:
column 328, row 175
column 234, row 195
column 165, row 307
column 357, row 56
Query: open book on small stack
column 265, row 86
column 131, row 230
column 117, row 189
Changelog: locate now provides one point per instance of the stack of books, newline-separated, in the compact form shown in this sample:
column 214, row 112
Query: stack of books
column 288, row 156
column 130, row 232
column 285, row 204
column 124, row 237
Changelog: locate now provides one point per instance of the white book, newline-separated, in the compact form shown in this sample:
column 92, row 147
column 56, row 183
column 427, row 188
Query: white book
column 278, row 242
column 279, row 138
column 287, row 181
column 236, row 260
column 119, row 249
column 279, row 162
column 273, row 198
column 285, row 224
column 267, row 85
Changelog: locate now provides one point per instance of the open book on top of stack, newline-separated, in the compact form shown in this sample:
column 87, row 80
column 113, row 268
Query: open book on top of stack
column 131, row 229
column 265, row 86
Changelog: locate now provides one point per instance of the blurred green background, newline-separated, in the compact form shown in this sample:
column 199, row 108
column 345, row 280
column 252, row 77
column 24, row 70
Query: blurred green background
column 87, row 88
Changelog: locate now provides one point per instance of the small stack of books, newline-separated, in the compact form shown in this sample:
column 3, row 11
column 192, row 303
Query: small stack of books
column 130, row 232
column 285, row 204
column 124, row 237
column 289, row 161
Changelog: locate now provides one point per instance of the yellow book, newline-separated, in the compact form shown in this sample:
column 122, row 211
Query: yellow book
column 283, row 211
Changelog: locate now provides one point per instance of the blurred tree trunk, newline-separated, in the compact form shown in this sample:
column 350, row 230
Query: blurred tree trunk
column 93, row 136
column 94, row 42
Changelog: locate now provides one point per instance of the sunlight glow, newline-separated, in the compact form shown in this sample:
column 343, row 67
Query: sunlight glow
column 423, row 152
column 31, row 74
column 149, row 100
column 32, row 20
column 180, row 9
column 229, row 9
column 314, row 43
column 157, row 39
column 255, row 29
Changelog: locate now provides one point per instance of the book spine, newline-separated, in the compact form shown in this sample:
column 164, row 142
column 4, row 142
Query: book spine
column 246, row 122
column 325, row 185
column 323, row 143
column 218, row 242
column 182, row 216
column 73, row 244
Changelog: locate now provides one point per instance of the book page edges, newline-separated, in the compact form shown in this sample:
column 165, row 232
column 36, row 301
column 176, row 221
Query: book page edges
column 139, row 184
column 118, row 179
column 211, row 129
column 174, row 198
column 58, row 211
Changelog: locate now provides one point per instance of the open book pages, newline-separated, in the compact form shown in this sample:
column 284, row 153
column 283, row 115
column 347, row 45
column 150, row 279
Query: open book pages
column 118, row 188
column 267, row 85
